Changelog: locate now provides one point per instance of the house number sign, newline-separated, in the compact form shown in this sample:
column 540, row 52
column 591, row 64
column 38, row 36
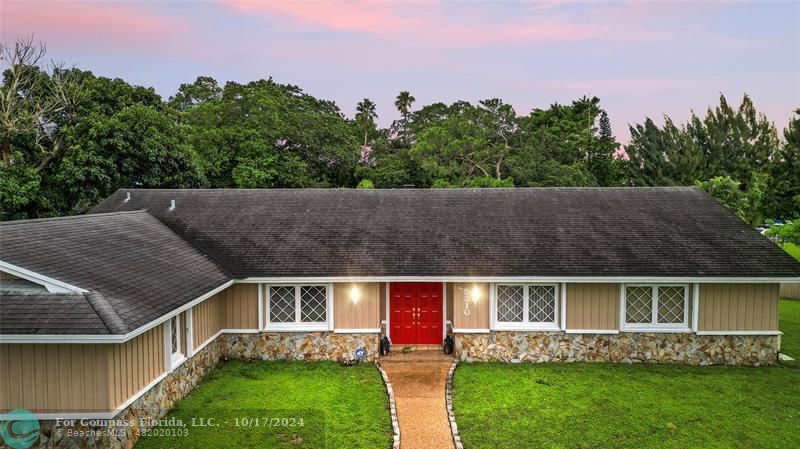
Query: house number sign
column 467, row 312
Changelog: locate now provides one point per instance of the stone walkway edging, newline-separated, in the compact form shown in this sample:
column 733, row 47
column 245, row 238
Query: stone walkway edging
column 451, row 416
column 392, row 407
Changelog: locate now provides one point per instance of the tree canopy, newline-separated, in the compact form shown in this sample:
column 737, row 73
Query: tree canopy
column 70, row 138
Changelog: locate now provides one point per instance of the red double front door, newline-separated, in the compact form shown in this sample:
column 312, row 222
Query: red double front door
column 415, row 313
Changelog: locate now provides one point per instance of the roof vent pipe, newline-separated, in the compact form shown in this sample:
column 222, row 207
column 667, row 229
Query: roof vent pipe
column 171, row 204
column 128, row 197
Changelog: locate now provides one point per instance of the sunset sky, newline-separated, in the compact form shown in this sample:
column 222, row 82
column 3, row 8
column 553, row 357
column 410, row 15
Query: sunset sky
column 641, row 58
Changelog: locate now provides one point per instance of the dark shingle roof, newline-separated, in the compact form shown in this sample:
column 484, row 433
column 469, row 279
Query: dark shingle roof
column 138, row 260
column 49, row 313
column 660, row 232
column 141, row 267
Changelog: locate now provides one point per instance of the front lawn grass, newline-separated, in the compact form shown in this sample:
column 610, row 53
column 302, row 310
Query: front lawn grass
column 790, row 326
column 316, row 404
column 626, row 406
column 792, row 249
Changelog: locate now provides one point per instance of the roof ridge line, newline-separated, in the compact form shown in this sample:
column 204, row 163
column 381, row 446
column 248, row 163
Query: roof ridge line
column 400, row 189
column 225, row 270
column 106, row 312
column 74, row 217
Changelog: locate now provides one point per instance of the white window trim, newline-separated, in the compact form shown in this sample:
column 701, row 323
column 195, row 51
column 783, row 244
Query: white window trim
column 189, row 333
column 654, row 325
column 526, row 325
column 172, row 360
column 297, row 325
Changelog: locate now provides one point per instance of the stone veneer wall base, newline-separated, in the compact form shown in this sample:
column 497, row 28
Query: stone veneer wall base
column 684, row 348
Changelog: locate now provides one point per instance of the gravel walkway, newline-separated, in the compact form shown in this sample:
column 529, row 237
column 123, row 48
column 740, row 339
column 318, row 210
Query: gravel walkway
column 418, row 379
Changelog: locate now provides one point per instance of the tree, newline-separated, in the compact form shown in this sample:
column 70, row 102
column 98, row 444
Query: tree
column 785, row 233
column 365, row 184
column 783, row 198
column 562, row 146
column 202, row 90
column 264, row 134
column 34, row 103
column 746, row 204
column 664, row 156
column 467, row 141
column 366, row 117
column 403, row 103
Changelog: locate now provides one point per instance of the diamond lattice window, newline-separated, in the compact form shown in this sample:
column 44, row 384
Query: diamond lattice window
column 671, row 305
column 542, row 304
column 638, row 305
column 312, row 304
column 510, row 303
column 282, row 304
column 173, row 328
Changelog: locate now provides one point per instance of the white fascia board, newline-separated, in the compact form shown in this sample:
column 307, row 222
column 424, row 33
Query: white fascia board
column 522, row 279
column 52, row 285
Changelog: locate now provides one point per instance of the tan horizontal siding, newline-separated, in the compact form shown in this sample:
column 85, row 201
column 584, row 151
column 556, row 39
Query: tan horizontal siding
column 593, row 306
column 241, row 306
column 738, row 307
column 51, row 378
column 479, row 318
column 365, row 314
column 135, row 364
column 207, row 319
column 790, row 290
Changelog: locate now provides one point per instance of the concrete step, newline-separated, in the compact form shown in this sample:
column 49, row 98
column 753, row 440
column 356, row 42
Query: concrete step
column 417, row 356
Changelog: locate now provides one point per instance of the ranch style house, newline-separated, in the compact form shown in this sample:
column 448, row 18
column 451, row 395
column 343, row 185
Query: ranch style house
column 119, row 313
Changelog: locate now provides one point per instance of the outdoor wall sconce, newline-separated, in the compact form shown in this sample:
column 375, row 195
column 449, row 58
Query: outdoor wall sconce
column 355, row 294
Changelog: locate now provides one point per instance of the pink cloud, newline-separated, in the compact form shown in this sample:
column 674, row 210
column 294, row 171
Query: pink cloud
column 80, row 21
column 418, row 21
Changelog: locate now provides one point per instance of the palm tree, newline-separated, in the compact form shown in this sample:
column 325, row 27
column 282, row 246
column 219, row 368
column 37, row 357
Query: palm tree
column 366, row 115
column 403, row 103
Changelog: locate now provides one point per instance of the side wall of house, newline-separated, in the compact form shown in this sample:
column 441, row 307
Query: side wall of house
column 592, row 306
column 207, row 319
column 478, row 315
column 738, row 307
column 135, row 364
column 241, row 306
column 365, row 313
column 52, row 378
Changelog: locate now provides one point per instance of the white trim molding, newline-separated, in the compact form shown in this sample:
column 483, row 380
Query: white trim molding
column 358, row 331
column 470, row 331
column 523, row 279
column 654, row 325
column 525, row 325
column 261, row 306
column 695, row 305
column 563, row 291
column 592, row 331
column 52, row 285
column 739, row 333
column 386, row 297
column 298, row 325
